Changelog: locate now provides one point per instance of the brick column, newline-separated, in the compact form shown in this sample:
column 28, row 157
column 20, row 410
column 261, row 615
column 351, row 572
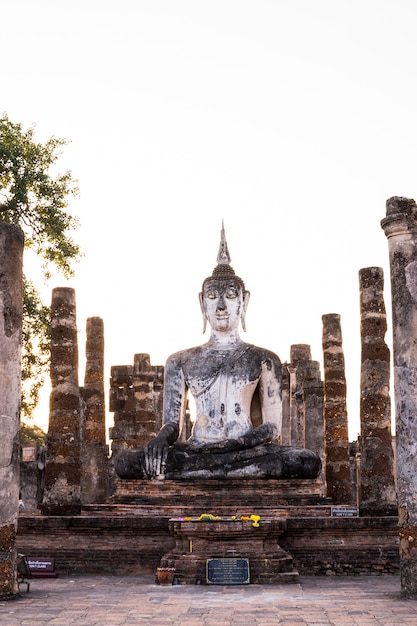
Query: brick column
column 11, row 299
column 400, row 227
column 63, row 466
column 339, row 484
column 136, row 398
column 313, row 392
column 300, row 353
column 376, row 473
column 94, row 451
column 309, row 392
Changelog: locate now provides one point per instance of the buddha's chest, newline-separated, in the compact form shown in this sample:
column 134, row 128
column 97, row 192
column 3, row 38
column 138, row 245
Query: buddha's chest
column 222, row 382
column 223, row 408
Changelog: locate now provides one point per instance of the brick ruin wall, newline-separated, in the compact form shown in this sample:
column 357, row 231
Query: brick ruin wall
column 128, row 545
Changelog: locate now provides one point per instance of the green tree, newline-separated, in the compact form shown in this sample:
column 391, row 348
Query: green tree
column 37, row 200
column 36, row 346
column 31, row 435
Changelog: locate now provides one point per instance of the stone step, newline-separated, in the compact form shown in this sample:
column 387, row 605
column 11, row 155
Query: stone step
column 193, row 510
column 231, row 493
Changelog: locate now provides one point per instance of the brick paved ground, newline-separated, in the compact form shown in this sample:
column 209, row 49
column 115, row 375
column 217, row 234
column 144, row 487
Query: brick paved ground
column 114, row 600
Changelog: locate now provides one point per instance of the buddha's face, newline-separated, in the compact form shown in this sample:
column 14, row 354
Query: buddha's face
column 222, row 302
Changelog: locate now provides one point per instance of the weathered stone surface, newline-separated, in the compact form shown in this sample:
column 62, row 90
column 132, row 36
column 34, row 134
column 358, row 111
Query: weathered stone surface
column 231, row 497
column 376, row 471
column 293, row 404
column 11, row 302
column 264, row 461
column 195, row 541
column 320, row 545
column 400, row 227
column 94, row 450
column 63, row 468
column 310, row 388
column 31, row 469
column 299, row 354
column 303, row 402
column 136, row 394
column 344, row 546
column 286, row 405
column 338, row 480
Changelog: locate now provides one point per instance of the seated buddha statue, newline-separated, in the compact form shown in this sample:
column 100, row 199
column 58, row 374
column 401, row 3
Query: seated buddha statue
column 223, row 375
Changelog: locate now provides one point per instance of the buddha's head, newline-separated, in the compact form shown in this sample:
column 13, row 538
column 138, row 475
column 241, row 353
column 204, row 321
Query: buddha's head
column 223, row 297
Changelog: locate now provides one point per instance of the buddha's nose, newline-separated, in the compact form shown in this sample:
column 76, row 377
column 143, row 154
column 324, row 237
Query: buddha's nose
column 221, row 306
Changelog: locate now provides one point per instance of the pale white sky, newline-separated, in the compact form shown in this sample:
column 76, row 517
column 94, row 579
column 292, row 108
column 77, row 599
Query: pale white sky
column 292, row 120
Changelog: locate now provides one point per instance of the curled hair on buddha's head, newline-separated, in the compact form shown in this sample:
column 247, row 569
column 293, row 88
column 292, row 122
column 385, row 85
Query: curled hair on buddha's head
column 224, row 272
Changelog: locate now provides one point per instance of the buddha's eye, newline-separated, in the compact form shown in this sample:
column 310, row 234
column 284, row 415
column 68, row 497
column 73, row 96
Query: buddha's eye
column 212, row 294
column 231, row 292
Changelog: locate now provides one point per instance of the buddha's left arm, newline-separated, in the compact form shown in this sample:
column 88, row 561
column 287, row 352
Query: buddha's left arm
column 270, row 394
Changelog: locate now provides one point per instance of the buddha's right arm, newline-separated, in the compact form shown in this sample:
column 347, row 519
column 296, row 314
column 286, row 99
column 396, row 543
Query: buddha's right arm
column 175, row 391
column 168, row 434
column 156, row 451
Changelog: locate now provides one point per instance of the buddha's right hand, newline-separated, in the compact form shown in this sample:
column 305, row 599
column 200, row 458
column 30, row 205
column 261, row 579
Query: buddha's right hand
column 156, row 450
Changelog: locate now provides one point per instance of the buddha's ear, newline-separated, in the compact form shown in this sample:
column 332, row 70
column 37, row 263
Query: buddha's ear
column 246, row 297
column 203, row 311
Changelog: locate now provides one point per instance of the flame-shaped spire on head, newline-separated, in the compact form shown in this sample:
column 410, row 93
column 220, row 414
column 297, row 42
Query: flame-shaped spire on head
column 223, row 270
column 223, row 256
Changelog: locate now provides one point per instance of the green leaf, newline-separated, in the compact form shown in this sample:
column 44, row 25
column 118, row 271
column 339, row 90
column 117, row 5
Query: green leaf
column 35, row 199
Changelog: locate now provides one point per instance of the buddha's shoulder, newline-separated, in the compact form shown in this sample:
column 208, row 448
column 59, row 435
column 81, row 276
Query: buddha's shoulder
column 244, row 350
column 264, row 355
column 185, row 355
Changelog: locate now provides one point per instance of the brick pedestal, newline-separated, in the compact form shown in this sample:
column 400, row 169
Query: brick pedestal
column 196, row 541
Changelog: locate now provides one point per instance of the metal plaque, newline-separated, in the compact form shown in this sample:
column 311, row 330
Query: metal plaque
column 227, row 571
column 344, row 511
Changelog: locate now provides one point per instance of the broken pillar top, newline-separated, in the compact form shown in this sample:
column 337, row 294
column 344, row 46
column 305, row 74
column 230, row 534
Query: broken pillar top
column 300, row 352
column 398, row 204
column 401, row 216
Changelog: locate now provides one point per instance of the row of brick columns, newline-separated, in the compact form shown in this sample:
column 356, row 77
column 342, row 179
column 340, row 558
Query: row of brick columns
column 315, row 412
column 77, row 463
column 136, row 395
